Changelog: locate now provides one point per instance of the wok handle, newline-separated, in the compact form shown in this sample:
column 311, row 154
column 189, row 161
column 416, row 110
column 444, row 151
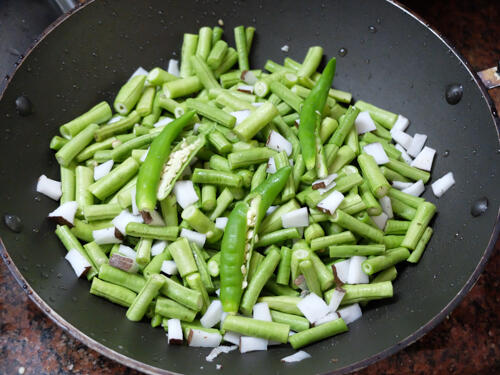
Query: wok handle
column 491, row 76
column 66, row 5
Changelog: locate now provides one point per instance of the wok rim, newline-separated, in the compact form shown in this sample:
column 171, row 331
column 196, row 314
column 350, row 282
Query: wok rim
column 152, row 370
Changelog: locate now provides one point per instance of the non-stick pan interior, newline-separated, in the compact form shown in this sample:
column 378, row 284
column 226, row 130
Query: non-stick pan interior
column 392, row 60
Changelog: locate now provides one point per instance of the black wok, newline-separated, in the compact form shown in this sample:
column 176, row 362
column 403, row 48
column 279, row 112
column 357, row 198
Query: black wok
column 404, row 67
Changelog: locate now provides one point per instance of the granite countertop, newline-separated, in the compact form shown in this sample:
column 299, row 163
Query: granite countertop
column 466, row 342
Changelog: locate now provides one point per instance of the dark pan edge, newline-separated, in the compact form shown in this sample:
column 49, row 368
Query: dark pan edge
column 140, row 366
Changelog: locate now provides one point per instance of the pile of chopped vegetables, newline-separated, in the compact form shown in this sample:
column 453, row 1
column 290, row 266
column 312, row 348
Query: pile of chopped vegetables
column 239, row 206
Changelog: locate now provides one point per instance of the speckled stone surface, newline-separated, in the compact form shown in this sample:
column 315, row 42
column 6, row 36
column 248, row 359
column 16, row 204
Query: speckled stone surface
column 465, row 343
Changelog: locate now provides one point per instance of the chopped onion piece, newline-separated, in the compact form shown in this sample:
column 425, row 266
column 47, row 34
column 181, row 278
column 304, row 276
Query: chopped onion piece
column 331, row 202
column 400, row 185
column 386, row 204
column 271, row 209
column 417, row 144
column 104, row 236
column 252, row 344
column 133, row 193
column 162, row 122
column 441, row 185
column 285, row 48
column 356, row 273
column 191, row 235
column 78, row 262
column 158, row 247
column 350, row 313
column 277, row 142
column 404, row 155
column 50, row 188
column 217, row 293
column 401, row 124
column 415, row 189
column 173, row 67
column 257, row 104
column 221, row 222
column 224, row 314
column 213, row 314
column 174, row 332
column 261, row 312
column 271, row 166
column 313, row 307
column 380, row 220
column 249, row 77
column 364, row 123
column 297, row 357
column 65, row 213
column 203, row 339
column 184, row 193
column 127, row 251
column 424, row 159
column 103, row 169
column 245, row 88
column 114, row 119
column 196, row 127
column 327, row 318
column 169, row 267
column 140, row 71
column 220, row 350
column 402, row 138
column 232, row 337
column 296, row 218
column 342, row 269
column 240, row 115
column 124, row 263
column 337, row 296
column 324, row 182
column 120, row 222
column 377, row 151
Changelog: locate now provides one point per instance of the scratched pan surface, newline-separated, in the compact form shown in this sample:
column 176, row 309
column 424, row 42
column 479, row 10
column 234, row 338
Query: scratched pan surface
column 403, row 66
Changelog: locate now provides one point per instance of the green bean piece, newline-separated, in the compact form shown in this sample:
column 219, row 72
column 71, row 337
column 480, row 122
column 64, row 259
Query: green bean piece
column 132, row 281
column 249, row 34
column 154, row 267
column 281, row 161
column 286, row 304
column 213, row 265
column 381, row 262
column 365, row 292
column 396, row 226
column 418, row 225
column 296, row 323
column 278, row 236
column 346, row 123
column 129, row 94
column 318, row 333
column 96, row 254
column 213, row 113
column 324, row 273
column 204, row 73
column 67, row 184
column 273, row 221
column 153, row 232
column 216, row 34
column 241, row 47
column 408, row 199
column 408, row 171
column 231, row 100
column 194, row 282
column 307, row 269
column 224, row 199
column 217, row 54
column 376, row 180
column 168, row 208
column 183, row 257
column 158, row 76
column 229, row 60
column 57, row 142
column 358, row 227
column 256, row 121
column 181, row 87
column 255, row 261
column 143, row 250
column 201, row 223
column 96, row 115
column 391, row 242
column 311, row 62
column 281, row 290
column 141, row 303
column 208, row 197
column 89, row 151
column 263, row 273
column 373, row 206
column 83, row 230
column 344, row 251
column 331, row 240
column 313, row 231
column 114, row 293
column 113, row 181
column 257, row 328
column 383, row 117
column 70, row 242
column 389, row 274
column 204, row 43
column 124, row 150
column 422, row 243
column 246, row 158
column 145, row 103
column 259, row 176
column 173, row 310
column 121, row 126
column 202, row 268
column 189, row 47
column 208, row 176
column 101, row 211
column 285, row 94
column 75, row 145
column 192, row 299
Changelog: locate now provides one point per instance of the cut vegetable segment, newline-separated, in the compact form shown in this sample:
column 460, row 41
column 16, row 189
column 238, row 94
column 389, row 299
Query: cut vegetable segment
column 103, row 169
column 324, row 182
column 386, row 204
column 356, row 273
column 174, row 332
column 364, row 123
column 313, row 307
column 277, row 142
column 232, row 337
column 401, row 185
column 380, row 220
column 252, row 344
column 441, row 185
column 336, row 298
column 105, row 236
column 350, row 313
column 195, row 237
column 158, row 247
column 331, row 203
column 402, row 138
column 377, row 151
column 417, row 144
column 173, row 67
column 404, row 155
column 221, row 222
column 327, row 318
column 424, row 159
column 342, row 269
column 271, row 166
column 401, row 124
column 123, row 263
column 127, row 251
column 416, row 189
column 240, row 115
column 296, row 218
column 203, row 339
column 184, row 193
column 297, row 357
column 65, row 213
column 169, row 267
column 78, row 262
column 220, row 350
column 50, row 188
column 213, row 314
column 120, row 222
